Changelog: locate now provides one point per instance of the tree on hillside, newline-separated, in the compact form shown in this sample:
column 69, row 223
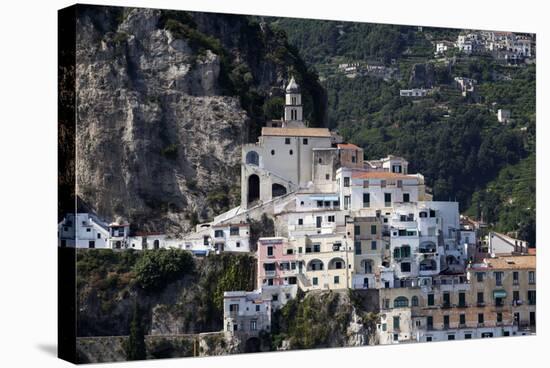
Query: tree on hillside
column 135, row 346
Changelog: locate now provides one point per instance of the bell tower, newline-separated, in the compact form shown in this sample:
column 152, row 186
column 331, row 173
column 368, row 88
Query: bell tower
column 293, row 105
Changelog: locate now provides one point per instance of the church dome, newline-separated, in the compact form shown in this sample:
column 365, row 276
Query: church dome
column 292, row 87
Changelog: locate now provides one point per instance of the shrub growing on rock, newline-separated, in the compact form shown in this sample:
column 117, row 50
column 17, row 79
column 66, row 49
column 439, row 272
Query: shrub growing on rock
column 157, row 268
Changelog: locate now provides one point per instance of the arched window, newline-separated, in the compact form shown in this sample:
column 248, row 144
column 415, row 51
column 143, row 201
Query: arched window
column 414, row 301
column 277, row 190
column 253, row 158
column 400, row 302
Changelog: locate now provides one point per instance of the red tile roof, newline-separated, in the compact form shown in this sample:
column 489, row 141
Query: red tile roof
column 348, row 146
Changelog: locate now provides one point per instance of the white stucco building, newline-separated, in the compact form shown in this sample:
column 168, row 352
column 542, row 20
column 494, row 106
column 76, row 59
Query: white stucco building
column 84, row 230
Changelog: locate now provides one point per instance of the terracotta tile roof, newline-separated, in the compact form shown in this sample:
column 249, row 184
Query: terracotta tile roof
column 348, row 146
column 296, row 132
column 512, row 262
column 379, row 175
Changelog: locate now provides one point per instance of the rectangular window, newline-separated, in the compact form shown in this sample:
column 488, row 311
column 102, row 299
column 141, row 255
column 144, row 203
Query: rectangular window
column 461, row 299
column 346, row 181
column 428, row 338
column 356, row 230
column 373, row 245
column 366, row 200
column 396, row 322
column 336, row 279
column 373, row 229
column 480, row 299
column 233, row 307
column 499, row 317
column 300, row 221
column 515, row 277
column 253, row 325
column 234, row 230
column 446, row 300
column 257, row 308
column 88, row 230
column 479, row 276
column 315, row 281
column 446, row 321
column 269, row 251
column 467, row 336
column 365, row 183
column 480, row 318
column 91, row 244
column 218, row 234
column 320, row 204
column 304, row 141
column 431, row 300
column 450, row 337
column 316, row 248
column 515, row 296
column 287, row 140
column 99, row 236
column 531, row 277
column 357, row 245
column 406, row 197
column 387, row 199
column 330, row 218
column 430, row 322
column 405, row 267
column 462, row 319
column 532, row 297
column 498, row 278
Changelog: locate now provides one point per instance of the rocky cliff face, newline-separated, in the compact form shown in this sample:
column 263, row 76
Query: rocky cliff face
column 164, row 101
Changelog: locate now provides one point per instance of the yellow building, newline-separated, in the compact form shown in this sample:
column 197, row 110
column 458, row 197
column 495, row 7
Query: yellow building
column 325, row 261
column 370, row 251
column 508, row 282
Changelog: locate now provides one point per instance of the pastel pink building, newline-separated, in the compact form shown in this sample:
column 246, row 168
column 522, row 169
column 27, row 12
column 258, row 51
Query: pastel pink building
column 278, row 269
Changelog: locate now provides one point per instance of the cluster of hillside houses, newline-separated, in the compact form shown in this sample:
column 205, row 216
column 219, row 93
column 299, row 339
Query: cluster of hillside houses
column 511, row 48
column 345, row 223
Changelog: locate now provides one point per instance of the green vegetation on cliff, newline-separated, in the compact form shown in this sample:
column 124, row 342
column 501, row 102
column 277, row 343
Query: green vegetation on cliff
column 260, row 49
column 455, row 142
column 183, row 289
column 322, row 319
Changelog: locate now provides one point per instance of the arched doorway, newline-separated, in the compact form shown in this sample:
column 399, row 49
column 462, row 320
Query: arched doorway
column 253, row 188
column 277, row 190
